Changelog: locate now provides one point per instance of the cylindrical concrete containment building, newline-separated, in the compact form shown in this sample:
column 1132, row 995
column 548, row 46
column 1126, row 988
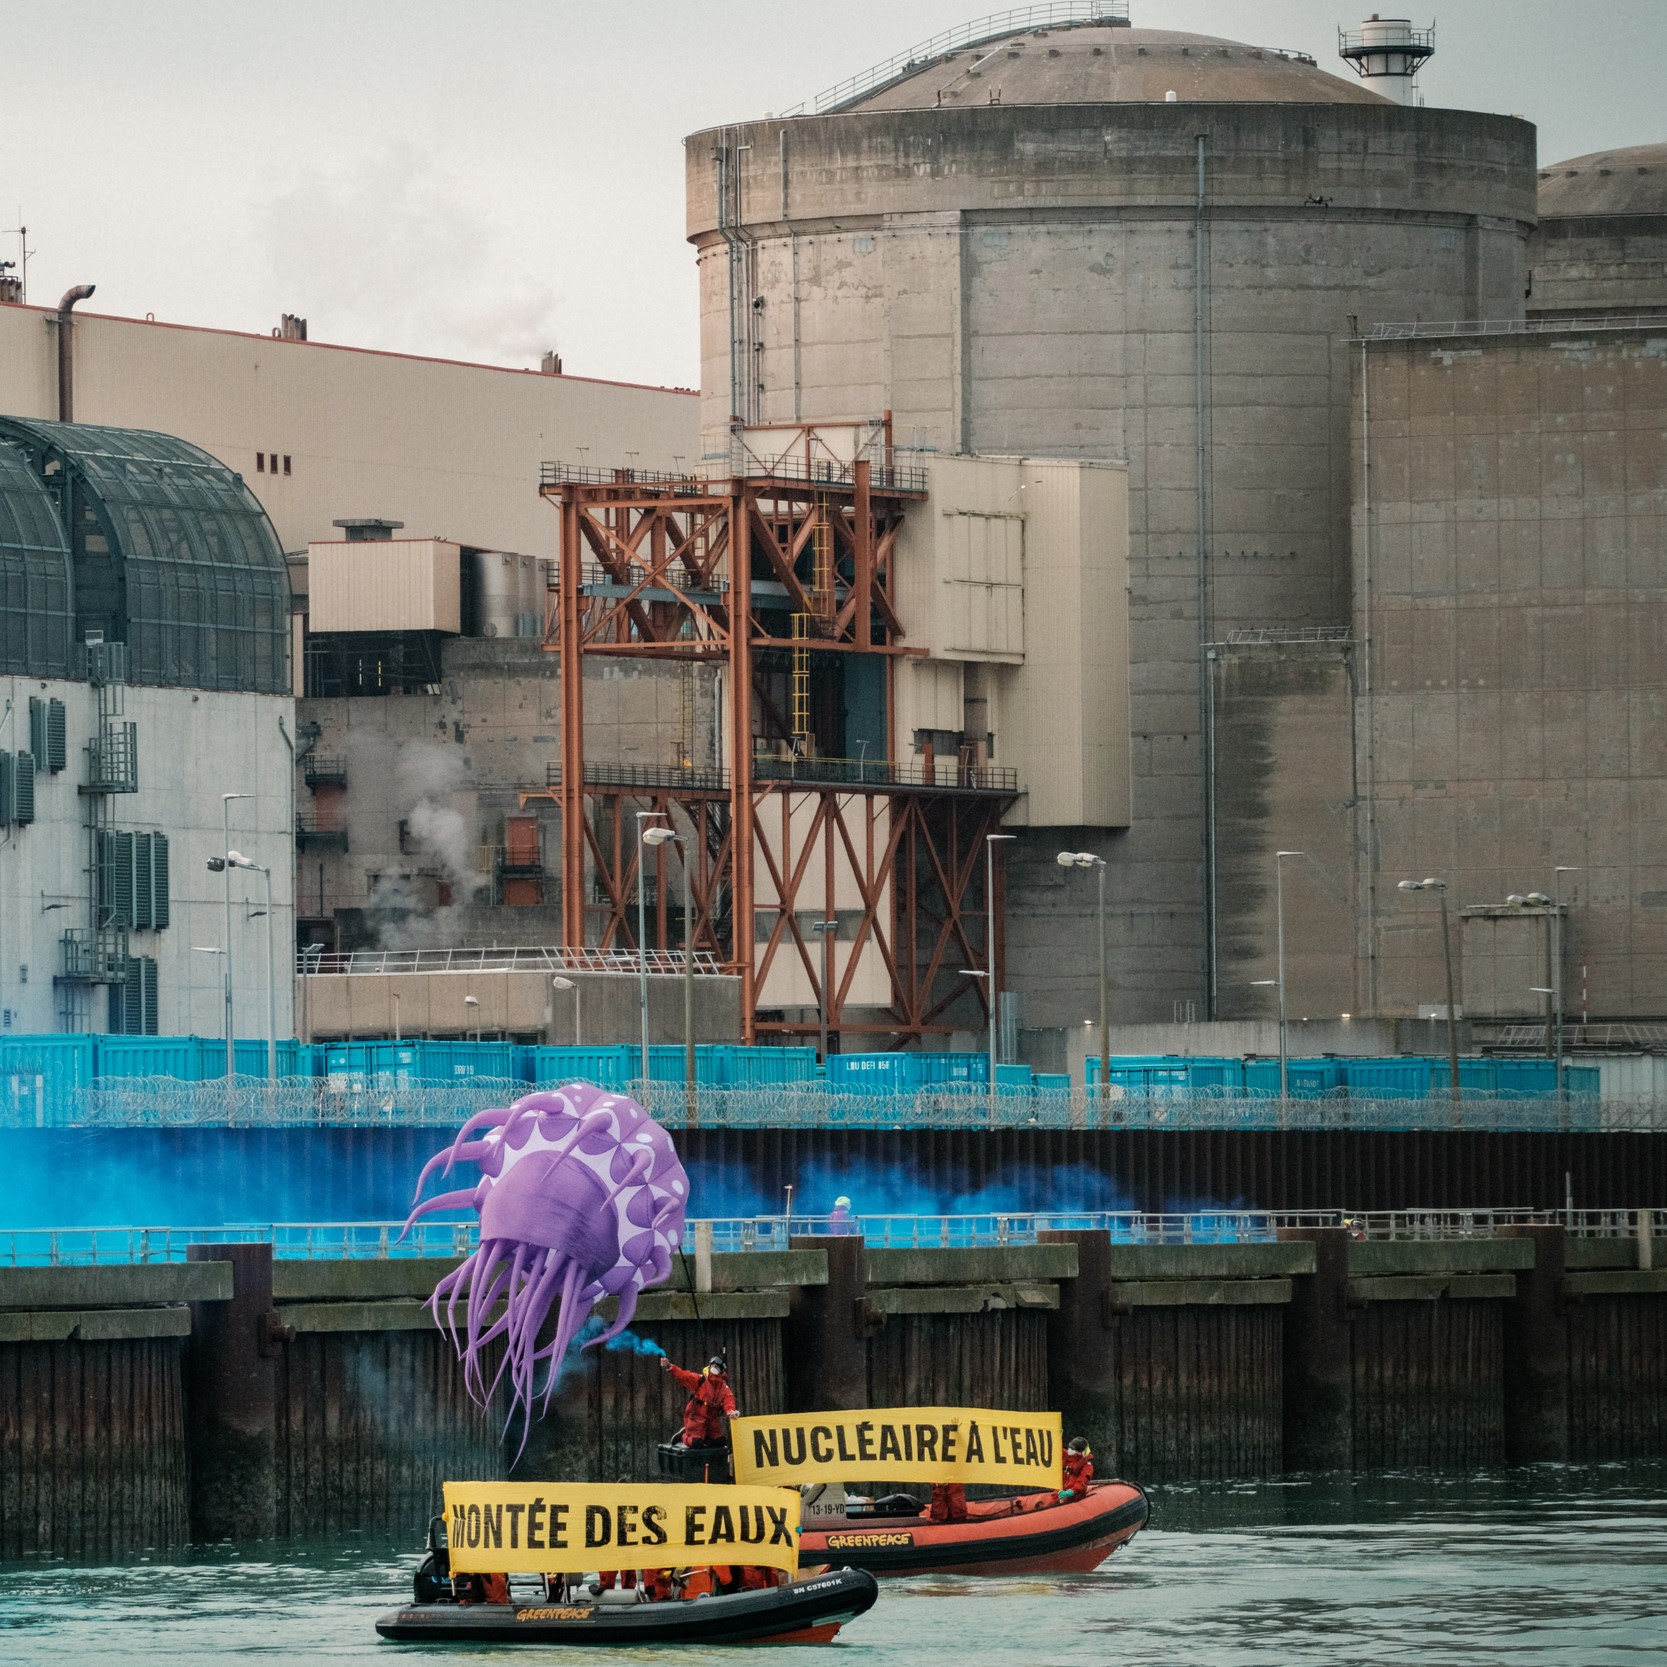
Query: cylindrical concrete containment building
column 1102, row 242
column 1601, row 247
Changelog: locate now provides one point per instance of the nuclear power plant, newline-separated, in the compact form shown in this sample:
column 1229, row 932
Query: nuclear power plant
column 1394, row 484
column 1170, row 531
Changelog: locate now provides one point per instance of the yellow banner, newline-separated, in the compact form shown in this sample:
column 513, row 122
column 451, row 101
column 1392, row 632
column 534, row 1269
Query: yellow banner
column 900, row 1444
column 552, row 1528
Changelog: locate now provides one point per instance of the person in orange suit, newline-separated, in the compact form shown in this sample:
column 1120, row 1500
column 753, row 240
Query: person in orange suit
column 711, row 1402
column 949, row 1503
column 1079, row 1470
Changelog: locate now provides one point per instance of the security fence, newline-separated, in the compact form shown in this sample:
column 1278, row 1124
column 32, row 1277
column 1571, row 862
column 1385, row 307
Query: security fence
column 354, row 1102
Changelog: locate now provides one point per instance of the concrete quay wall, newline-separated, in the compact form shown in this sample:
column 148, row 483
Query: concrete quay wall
column 232, row 1397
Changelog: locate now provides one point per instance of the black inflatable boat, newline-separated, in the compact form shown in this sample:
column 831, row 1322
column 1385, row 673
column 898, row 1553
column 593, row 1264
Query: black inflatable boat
column 807, row 1612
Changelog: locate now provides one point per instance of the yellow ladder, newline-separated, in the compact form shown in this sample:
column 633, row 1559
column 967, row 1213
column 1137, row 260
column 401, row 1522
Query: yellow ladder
column 801, row 682
column 822, row 581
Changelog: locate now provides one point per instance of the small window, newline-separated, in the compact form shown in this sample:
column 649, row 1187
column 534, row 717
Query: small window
column 286, row 462
column 260, row 463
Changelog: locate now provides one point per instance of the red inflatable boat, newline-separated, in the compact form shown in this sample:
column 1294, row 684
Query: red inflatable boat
column 1026, row 1533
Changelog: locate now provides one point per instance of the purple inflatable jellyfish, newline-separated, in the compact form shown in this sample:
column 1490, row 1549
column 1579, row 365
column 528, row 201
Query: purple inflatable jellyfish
column 581, row 1196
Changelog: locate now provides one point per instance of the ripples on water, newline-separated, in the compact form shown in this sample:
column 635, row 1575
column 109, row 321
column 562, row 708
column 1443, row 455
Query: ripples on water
column 1549, row 1565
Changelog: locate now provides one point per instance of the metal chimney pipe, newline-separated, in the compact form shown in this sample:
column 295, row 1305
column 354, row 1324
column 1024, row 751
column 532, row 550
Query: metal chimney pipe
column 66, row 354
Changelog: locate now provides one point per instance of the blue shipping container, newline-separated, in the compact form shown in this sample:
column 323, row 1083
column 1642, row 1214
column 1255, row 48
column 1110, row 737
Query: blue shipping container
column 40, row 1077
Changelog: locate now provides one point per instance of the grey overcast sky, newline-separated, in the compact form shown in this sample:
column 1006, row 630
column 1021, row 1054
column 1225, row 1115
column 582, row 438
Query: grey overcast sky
column 483, row 178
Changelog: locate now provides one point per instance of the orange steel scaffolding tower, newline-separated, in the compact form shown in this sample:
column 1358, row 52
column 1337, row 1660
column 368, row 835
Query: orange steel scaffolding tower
column 787, row 558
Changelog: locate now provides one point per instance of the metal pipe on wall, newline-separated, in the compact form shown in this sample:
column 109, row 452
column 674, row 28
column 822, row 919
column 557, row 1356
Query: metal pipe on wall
column 1206, row 742
column 66, row 350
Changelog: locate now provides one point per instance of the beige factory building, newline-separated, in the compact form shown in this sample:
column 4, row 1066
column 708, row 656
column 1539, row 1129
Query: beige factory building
column 323, row 432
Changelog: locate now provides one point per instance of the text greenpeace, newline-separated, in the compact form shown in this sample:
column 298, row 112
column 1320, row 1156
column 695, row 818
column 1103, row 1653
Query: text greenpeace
column 550, row 1528
column 900, row 1444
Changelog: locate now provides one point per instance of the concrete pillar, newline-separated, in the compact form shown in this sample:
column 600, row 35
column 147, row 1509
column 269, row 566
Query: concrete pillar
column 232, row 1400
column 1319, row 1357
column 828, row 1328
column 1537, row 1353
column 1082, row 1348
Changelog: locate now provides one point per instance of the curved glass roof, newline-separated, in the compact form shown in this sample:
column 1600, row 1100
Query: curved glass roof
column 169, row 552
column 35, row 620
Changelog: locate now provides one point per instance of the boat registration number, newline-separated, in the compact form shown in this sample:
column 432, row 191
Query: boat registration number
column 554, row 1614
column 851, row 1542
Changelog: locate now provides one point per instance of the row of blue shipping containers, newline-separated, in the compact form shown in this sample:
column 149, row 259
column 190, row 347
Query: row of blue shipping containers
column 39, row 1074
column 1409, row 1077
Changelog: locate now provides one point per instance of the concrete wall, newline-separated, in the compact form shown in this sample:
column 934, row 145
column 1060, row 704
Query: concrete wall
column 1285, row 781
column 194, row 745
column 515, row 1003
column 1599, row 265
column 1021, row 279
column 1514, row 526
column 452, row 450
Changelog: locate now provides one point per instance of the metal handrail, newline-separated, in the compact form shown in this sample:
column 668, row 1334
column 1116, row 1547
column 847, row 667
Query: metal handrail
column 1419, row 331
column 789, row 470
column 508, row 958
column 1060, row 14
column 948, row 774
column 1356, row 40
column 389, row 1240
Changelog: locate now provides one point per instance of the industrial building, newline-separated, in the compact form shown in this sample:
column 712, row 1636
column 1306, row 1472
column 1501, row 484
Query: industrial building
column 144, row 636
column 1055, row 234
column 315, row 445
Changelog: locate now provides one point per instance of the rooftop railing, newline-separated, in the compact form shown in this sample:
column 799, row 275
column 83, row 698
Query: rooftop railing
column 1060, row 14
column 507, row 958
column 1420, row 330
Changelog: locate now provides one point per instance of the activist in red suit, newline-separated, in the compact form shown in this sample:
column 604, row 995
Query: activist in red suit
column 711, row 1402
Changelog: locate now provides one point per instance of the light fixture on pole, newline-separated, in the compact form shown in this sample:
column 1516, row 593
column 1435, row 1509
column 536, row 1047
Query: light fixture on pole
column 560, row 983
column 397, row 1036
column 236, row 859
column 1557, row 971
column 471, row 1010
column 642, row 935
column 1279, row 907
column 827, row 929
column 220, row 865
column 991, row 988
column 1087, row 859
column 665, row 836
column 1439, row 887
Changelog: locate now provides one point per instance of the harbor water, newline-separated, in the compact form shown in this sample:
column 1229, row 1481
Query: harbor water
column 1550, row 1564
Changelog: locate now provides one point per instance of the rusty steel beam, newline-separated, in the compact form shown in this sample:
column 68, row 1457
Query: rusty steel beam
column 685, row 559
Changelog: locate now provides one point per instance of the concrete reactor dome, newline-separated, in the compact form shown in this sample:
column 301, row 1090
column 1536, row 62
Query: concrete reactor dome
column 1031, row 251
column 1108, row 63
column 1630, row 181
column 1601, row 247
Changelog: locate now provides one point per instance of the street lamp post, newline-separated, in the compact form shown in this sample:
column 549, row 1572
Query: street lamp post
column 1439, row 887
column 642, row 934
column 1279, row 909
column 1557, row 970
column 225, row 869
column 990, row 843
column 471, row 1010
column 560, row 983
column 236, row 859
column 664, row 836
column 1087, row 859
